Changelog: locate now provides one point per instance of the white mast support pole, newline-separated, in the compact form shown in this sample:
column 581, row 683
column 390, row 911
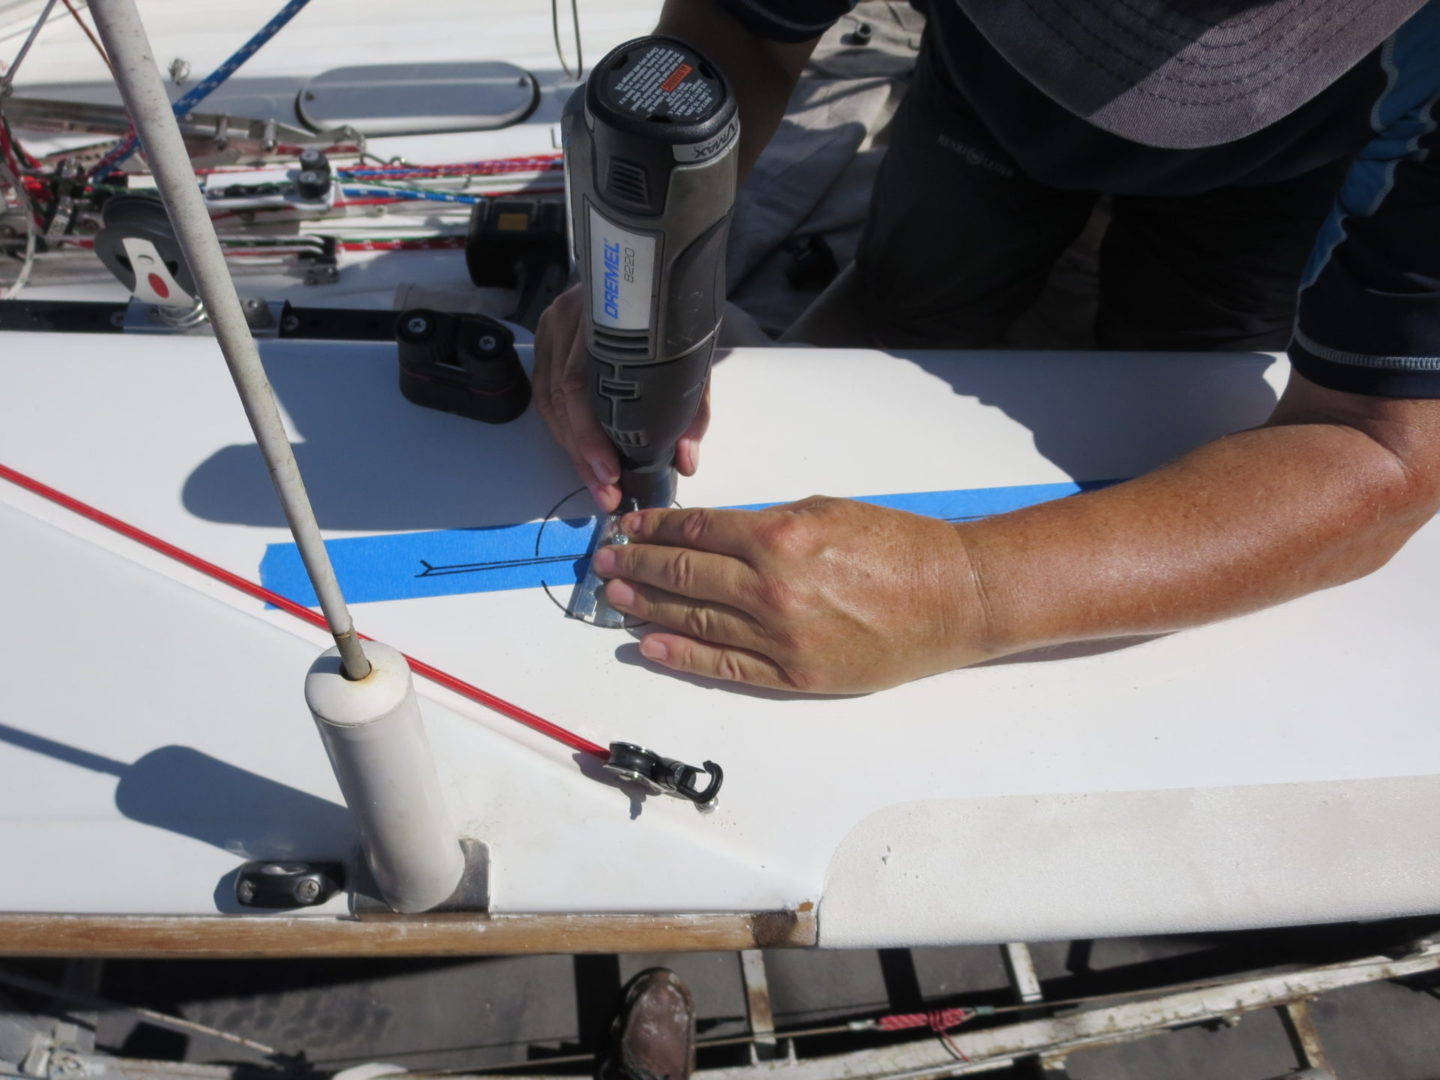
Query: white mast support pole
column 374, row 735
column 143, row 89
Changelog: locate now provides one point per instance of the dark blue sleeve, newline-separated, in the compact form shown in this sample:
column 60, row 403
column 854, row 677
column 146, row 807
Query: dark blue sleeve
column 1369, row 315
column 788, row 20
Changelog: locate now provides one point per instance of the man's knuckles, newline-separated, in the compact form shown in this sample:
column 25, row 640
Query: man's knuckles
column 702, row 621
column 696, row 526
column 680, row 572
column 783, row 536
column 672, row 569
column 570, row 383
column 774, row 599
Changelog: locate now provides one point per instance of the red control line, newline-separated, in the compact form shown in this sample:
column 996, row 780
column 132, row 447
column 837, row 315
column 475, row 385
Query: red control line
column 259, row 592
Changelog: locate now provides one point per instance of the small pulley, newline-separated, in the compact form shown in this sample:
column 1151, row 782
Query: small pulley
column 139, row 245
column 664, row 776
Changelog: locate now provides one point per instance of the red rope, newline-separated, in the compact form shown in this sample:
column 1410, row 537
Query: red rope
column 93, row 40
column 940, row 1021
column 492, row 167
column 13, row 154
column 259, row 592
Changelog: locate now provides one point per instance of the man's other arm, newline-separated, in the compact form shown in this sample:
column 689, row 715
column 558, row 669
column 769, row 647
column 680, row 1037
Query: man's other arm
column 761, row 71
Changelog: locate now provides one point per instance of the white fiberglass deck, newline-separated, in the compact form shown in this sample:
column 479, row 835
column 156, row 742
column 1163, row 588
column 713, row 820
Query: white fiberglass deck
column 1276, row 768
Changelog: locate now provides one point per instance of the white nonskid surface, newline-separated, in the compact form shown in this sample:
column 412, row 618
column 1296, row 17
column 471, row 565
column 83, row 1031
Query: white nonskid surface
column 1324, row 690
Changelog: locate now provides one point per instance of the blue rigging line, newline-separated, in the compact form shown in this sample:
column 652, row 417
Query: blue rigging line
column 206, row 86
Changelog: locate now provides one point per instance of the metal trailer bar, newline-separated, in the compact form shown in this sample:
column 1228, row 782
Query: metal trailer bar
column 757, row 1005
column 141, row 85
column 1001, row 1046
column 995, row 1048
column 1020, row 966
column 1305, row 1037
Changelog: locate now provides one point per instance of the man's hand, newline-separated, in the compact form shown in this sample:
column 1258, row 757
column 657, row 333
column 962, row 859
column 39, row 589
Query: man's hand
column 822, row 595
column 562, row 396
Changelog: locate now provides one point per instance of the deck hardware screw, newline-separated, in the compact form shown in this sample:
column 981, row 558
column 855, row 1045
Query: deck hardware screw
column 246, row 891
column 307, row 891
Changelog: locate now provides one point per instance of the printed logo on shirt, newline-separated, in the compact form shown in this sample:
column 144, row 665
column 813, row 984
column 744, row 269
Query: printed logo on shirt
column 978, row 158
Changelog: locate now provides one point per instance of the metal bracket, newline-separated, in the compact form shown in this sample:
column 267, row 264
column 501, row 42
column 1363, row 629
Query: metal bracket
column 143, row 318
column 57, row 1056
column 322, row 268
column 212, row 138
column 264, row 317
column 664, row 776
column 287, row 884
column 471, row 896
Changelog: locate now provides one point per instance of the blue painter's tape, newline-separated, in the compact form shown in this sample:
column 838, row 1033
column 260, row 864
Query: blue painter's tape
column 445, row 562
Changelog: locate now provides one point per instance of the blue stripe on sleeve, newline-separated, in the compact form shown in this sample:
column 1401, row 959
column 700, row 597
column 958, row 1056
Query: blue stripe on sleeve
column 1400, row 119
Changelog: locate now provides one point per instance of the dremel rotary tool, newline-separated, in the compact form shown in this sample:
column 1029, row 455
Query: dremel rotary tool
column 651, row 143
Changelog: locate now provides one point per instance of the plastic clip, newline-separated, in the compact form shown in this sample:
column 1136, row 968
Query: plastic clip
column 664, row 776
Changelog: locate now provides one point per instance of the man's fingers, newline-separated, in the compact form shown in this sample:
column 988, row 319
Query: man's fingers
column 715, row 623
column 687, row 450
column 591, row 454
column 725, row 532
column 594, row 457
column 562, row 398
column 555, row 335
column 713, row 661
column 594, row 447
column 696, row 575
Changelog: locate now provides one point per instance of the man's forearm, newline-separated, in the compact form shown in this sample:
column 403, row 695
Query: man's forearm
column 762, row 73
column 1242, row 523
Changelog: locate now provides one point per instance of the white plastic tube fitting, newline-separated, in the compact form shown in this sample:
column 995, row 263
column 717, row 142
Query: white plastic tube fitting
column 376, row 740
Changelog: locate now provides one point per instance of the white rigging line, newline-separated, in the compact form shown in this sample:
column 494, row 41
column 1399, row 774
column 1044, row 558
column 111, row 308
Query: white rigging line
column 9, row 76
column 559, row 51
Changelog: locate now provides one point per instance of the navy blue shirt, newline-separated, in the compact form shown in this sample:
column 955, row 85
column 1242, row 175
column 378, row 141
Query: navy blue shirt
column 1369, row 316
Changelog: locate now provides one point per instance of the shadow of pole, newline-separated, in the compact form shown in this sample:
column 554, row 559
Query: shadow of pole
column 185, row 791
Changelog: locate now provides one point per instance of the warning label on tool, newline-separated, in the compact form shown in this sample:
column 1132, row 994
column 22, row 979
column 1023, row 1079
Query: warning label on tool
column 661, row 80
column 675, row 78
